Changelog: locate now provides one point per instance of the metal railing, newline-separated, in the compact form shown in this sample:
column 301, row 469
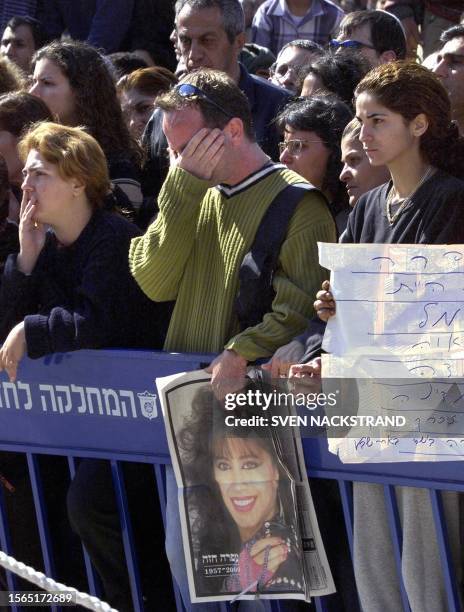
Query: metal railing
column 100, row 404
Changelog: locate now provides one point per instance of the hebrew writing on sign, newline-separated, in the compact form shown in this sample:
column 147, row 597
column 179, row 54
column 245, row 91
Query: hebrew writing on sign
column 399, row 324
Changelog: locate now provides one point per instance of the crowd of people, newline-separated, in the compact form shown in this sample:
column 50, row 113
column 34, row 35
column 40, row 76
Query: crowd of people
column 166, row 173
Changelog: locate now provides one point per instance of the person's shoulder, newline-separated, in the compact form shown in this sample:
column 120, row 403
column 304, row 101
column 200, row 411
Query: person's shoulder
column 107, row 225
column 268, row 7
column 446, row 183
column 370, row 204
column 122, row 165
column 313, row 202
column 331, row 7
column 266, row 90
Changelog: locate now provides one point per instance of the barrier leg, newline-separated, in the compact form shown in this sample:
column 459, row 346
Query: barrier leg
column 127, row 537
column 42, row 521
column 5, row 543
column 397, row 539
column 447, row 564
column 160, row 475
column 92, row 577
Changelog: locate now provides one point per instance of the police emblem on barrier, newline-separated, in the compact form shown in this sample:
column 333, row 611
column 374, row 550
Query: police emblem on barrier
column 148, row 404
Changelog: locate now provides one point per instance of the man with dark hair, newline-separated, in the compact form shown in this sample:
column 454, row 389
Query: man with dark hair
column 449, row 68
column 219, row 187
column 21, row 39
column 377, row 35
column 293, row 57
column 210, row 34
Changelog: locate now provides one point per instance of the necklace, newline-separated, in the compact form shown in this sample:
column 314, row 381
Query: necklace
column 403, row 202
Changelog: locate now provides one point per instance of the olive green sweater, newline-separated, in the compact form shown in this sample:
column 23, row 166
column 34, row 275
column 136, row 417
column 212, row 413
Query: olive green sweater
column 193, row 251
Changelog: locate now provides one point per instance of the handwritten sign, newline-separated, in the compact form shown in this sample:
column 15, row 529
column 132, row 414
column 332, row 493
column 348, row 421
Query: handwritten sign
column 400, row 319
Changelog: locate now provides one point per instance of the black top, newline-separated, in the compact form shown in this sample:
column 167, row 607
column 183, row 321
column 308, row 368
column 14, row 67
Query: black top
column 434, row 216
column 82, row 295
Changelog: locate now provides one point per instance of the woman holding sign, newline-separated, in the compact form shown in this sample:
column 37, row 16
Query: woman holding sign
column 405, row 119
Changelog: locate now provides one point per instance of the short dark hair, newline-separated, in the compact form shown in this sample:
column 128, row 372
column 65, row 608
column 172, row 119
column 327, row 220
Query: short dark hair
column 125, row 62
column 232, row 14
column 456, row 31
column 387, row 33
column 327, row 117
column 39, row 35
column 340, row 73
column 221, row 90
column 307, row 45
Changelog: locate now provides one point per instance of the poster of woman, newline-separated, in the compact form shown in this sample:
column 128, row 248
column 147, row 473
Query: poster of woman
column 242, row 531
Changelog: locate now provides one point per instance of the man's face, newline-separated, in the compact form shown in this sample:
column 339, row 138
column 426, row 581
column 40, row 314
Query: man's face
column 449, row 68
column 288, row 64
column 18, row 46
column 179, row 128
column 362, row 34
column 203, row 42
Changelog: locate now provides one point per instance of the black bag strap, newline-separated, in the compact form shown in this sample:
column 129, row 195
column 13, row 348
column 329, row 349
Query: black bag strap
column 256, row 293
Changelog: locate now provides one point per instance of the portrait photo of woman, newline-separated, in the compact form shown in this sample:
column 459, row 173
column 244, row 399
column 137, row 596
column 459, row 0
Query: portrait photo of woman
column 240, row 503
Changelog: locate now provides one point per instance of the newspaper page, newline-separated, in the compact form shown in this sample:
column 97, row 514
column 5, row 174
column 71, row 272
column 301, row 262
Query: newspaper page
column 399, row 331
column 247, row 516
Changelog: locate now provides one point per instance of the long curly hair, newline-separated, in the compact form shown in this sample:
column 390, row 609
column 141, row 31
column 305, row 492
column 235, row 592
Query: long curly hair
column 202, row 435
column 409, row 89
column 96, row 104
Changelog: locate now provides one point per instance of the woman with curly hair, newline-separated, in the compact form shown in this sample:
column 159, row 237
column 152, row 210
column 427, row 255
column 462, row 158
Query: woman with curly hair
column 335, row 74
column 75, row 82
column 312, row 132
column 240, row 501
column 405, row 117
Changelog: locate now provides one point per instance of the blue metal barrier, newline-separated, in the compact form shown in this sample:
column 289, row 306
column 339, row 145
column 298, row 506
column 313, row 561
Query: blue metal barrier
column 101, row 404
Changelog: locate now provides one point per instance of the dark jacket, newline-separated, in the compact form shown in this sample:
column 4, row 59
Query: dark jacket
column 102, row 23
column 82, row 295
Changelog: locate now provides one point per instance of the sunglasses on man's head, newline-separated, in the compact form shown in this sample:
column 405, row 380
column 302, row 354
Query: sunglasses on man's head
column 348, row 44
column 186, row 90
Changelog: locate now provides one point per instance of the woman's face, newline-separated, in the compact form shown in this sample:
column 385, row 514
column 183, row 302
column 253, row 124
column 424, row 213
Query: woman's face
column 53, row 87
column 248, row 480
column 387, row 138
column 306, row 154
column 137, row 109
column 357, row 174
column 51, row 194
column 9, row 151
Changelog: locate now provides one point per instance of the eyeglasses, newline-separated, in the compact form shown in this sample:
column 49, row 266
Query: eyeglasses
column 296, row 146
column 281, row 70
column 186, row 90
column 348, row 44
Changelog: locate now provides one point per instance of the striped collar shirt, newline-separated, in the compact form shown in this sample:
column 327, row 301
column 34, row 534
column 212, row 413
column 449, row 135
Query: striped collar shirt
column 274, row 26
